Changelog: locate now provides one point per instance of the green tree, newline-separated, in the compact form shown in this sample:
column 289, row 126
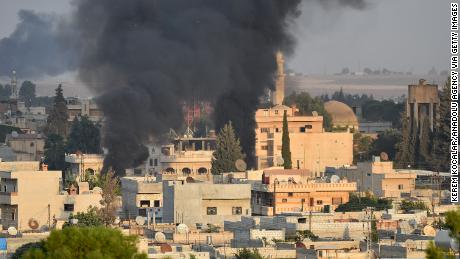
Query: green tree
column 110, row 186
column 27, row 92
column 441, row 141
column 58, row 115
column 84, row 137
column 80, row 243
column 453, row 225
column 425, row 144
column 403, row 154
column 362, row 146
column 286, row 144
column 55, row 152
column 246, row 253
column 357, row 203
column 412, row 205
column 387, row 142
column 228, row 150
column 90, row 218
column 306, row 105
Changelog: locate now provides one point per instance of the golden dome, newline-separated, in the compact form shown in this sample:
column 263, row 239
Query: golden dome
column 342, row 115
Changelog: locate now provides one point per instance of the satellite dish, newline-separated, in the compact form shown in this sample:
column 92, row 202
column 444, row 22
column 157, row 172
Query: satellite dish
column 33, row 223
column 240, row 165
column 383, row 156
column 97, row 190
column 405, row 227
column 279, row 161
column 140, row 220
column 182, row 229
column 335, row 179
column 117, row 221
column 12, row 231
column 429, row 231
column 160, row 237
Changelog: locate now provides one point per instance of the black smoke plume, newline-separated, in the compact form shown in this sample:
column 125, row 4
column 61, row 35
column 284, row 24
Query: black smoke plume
column 145, row 57
column 34, row 48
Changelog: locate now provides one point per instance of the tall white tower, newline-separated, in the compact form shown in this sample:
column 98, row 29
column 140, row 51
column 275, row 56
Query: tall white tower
column 278, row 95
column 14, row 87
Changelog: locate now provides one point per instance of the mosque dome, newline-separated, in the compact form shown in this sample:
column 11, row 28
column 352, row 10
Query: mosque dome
column 342, row 115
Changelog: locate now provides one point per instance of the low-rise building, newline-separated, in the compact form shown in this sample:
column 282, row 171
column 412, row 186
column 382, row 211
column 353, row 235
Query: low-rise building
column 287, row 191
column 32, row 197
column 142, row 196
column 311, row 147
column 84, row 107
column 82, row 165
column 205, row 203
column 183, row 156
column 28, row 147
column 379, row 177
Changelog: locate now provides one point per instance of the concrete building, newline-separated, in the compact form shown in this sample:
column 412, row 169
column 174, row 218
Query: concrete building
column 374, row 127
column 379, row 177
column 311, row 147
column 277, row 96
column 32, row 198
column 184, row 156
column 28, row 147
column 342, row 115
column 82, row 165
column 142, row 196
column 205, row 203
column 422, row 102
column 287, row 191
column 84, row 107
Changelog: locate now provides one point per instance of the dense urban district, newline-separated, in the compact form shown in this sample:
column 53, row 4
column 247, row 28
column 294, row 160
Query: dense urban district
column 340, row 176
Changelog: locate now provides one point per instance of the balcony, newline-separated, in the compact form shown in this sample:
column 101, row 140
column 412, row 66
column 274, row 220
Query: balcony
column 10, row 198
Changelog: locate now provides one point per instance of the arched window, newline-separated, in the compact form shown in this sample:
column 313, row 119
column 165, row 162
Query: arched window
column 186, row 171
column 202, row 170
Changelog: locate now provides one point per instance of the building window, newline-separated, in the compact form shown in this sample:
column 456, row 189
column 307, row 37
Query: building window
column 237, row 210
column 290, row 194
column 211, row 210
column 302, row 129
column 31, row 144
column 319, row 202
column 284, row 200
column 264, row 130
column 151, row 162
column 143, row 212
column 156, row 203
column 302, row 220
column 13, row 215
column 277, row 130
column 265, row 147
column 137, row 171
column 276, row 112
column 308, row 126
column 145, row 203
column 155, row 162
column 337, row 201
column 68, row 207
column 4, row 188
column 400, row 186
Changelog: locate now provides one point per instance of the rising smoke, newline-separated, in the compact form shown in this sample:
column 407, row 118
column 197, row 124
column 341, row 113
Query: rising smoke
column 34, row 48
column 144, row 58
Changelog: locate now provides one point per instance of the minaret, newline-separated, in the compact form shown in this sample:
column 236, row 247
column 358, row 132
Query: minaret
column 278, row 94
column 14, row 87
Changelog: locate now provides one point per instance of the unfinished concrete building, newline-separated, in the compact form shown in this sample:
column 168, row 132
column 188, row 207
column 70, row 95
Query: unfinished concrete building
column 422, row 102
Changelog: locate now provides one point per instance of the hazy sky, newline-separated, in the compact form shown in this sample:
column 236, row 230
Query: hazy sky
column 402, row 35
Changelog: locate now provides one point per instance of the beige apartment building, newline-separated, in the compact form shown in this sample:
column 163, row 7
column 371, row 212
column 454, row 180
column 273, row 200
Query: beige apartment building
column 84, row 107
column 287, row 191
column 379, row 177
column 31, row 195
column 312, row 148
column 142, row 196
column 82, row 165
column 27, row 147
column 183, row 156
column 205, row 203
